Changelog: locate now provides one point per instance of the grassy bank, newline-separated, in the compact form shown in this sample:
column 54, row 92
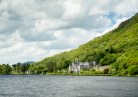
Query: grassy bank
column 78, row 74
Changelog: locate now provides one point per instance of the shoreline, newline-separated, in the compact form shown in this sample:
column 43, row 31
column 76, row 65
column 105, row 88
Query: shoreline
column 77, row 74
column 93, row 75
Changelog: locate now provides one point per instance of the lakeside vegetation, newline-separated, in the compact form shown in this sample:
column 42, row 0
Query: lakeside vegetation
column 15, row 69
column 118, row 48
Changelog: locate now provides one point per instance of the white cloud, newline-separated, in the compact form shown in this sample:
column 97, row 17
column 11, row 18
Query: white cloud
column 127, row 7
column 35, row 29
column 112, row 28
column 72, row 9
column 68, row 39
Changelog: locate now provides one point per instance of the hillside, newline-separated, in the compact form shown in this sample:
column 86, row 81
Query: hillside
column 118, row 48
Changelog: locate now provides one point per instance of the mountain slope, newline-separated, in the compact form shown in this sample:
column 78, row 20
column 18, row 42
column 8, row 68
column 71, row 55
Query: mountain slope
column 118, row 48
column 30, row 62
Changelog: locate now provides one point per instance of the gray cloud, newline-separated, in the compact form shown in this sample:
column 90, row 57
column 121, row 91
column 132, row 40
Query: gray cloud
column 37, row 36
column 88, row 23
column 7, row 24
column 26, row 17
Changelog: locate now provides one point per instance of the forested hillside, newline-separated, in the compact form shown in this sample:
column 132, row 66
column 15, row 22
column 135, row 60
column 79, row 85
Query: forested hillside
column 118, row 48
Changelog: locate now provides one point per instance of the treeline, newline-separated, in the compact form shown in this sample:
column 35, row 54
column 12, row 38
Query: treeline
column 43, row 69
column 118, row 48
column 5, row 69
column 15, row 68
column 51, row 66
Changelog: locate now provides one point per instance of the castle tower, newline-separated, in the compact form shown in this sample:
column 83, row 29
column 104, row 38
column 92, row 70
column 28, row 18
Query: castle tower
column 79, row 60
column 74, row 60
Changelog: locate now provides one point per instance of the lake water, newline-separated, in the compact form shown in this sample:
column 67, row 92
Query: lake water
column 67, row 86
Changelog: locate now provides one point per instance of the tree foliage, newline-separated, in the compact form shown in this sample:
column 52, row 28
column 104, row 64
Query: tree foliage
column 25, row 67
column 5, row 69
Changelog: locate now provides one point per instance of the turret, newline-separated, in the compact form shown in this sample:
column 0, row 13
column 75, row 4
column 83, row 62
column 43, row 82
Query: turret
column 74, row 60
column 79, row 60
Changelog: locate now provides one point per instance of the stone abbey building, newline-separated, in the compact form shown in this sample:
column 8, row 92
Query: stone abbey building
column 78, row 66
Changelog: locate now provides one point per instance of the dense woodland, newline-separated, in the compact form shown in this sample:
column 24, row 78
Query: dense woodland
column 118, row 48
column 15, row 69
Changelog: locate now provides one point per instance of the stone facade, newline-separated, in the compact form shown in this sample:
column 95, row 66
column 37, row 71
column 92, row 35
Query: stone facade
column 97, row 67
column 78, row 66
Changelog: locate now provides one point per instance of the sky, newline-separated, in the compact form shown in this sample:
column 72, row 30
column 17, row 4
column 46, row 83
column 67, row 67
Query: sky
column 31, row 30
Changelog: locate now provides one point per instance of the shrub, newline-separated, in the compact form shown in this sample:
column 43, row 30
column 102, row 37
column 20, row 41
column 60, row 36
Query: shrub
column 92, row 69
column 106, row 71
column 44, row 71
column 81, row 72
column 97, row 72
column 112, row 71
column 123, row 72
column 71, row 71
column 133, row 70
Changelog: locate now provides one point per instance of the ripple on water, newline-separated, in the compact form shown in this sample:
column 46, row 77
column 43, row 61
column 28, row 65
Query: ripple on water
column 67, row 86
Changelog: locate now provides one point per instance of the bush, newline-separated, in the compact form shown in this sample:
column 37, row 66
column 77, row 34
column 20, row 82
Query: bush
column 92, row 69
column 44, row 71
column 112, row 71
column 71, row 71
column 133, row 70
column 81, row 72
column 97, row 72
column 38, row 71
column 123, row 72
column 106, row 71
